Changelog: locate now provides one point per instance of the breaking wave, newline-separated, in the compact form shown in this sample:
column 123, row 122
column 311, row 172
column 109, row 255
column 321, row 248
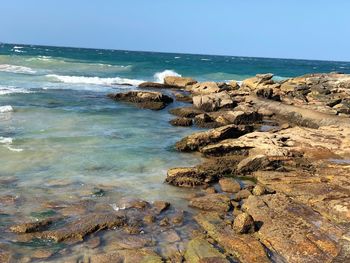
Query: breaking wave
column 7, row 108
column 160, row 76
column 12, row 90
column 16, row 69
column 95, row 80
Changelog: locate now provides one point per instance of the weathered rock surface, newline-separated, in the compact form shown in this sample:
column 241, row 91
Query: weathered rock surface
column 184, row 122
column 198, row 140
column 199, row 251
column 212, row 202
column 229, row 185
column 127, row 256
column 185, row 112
column 243, row 224
column 205, row 88
column 294, row 231
column 245, row 247
column 179, row 82
column 144, row 99
column 213, row 101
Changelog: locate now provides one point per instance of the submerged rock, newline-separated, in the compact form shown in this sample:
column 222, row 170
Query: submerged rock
column 199, row 251
column 144, row 99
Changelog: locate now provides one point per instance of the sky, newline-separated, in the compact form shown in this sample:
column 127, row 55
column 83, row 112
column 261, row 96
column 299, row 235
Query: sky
column 307, row 29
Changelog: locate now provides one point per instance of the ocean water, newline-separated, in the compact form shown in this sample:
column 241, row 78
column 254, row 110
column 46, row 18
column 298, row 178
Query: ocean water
column 62, row 139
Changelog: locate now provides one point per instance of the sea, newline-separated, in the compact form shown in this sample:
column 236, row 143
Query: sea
column 62, row 138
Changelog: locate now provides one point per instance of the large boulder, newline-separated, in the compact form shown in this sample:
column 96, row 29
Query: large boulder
column 198, row 140
column 259, row 81
column 185, row 112
column 144, row 99
column 205, row 88
column 214, row 101
column 179, row 82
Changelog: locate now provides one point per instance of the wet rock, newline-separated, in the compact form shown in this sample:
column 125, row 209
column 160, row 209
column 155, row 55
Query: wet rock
column 183, row 97
column 33, row 226
column 78, row 229
column 160, row 206
column 156, row 85
column 242, row 194
column 197, row 140
column 185, row 112
column 149, row 219
column 199, row 251
column 229, row 185
column 42, row 253
column 130, row 242
column 243, row 224
column 289, row 229
column 184, row 122
column 144, row 99
column 127, row 256
column 205, row 121
column 179, row 82
column 170, row 236
column 178, row 218
column 5, row 256
column 8, row 200
column 93, row 242
column 245, row 247
column 212, row 202
column 188, row 177
column 214, row 101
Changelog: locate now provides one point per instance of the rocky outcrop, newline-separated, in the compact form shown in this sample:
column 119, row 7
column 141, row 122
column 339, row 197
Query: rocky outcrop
column 245, row 247
column 294, row 231
column 198, row 140
column 213, row 101
column 144, row 99
column 179, row 82
column 205, row 88
column 212, row 202
column 185, row 112
column 185, row 122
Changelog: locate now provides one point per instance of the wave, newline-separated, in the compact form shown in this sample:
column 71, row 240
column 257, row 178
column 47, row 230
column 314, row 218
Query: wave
column 95, row 80
column 7, row 108
column 160, row 76
column 16, row 69
column 12, row 90
column 7, row 142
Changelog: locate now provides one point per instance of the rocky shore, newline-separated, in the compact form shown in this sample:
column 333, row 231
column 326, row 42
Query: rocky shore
column 273, row 185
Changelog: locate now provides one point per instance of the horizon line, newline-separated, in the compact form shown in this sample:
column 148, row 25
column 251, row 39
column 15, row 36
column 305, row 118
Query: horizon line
column 170, row 52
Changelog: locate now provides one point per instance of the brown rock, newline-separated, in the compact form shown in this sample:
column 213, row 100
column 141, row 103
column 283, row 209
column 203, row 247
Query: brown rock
column 179, row 82
column 160, row 206
column 33, row 226
column 243, row 224
column 245, row 247
column 242, row 194
column 212, row 202
column 200, row 251
column 184, row 122
column 205, row 88
column 197, row 140
column 214, row 101
column 229, row 185
column 185, row 112
column 144, row 99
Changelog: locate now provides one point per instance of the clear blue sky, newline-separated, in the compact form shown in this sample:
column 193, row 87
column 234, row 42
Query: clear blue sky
column 310, row 29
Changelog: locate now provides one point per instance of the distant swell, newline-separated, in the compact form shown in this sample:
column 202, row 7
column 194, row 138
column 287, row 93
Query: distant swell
column 16, row 69
column 12, row 90
column 95, row 80
column 159, row 76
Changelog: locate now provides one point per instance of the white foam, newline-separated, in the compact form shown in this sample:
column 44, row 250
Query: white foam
column 14, row 149
column 6, row 140
column 7, row 108
column 160, row 76
column 11, row 90
column 16, row 69
column 17, row 47
column 95, row 80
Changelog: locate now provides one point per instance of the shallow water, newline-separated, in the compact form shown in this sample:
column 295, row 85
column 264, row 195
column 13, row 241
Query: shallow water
column 62, row 139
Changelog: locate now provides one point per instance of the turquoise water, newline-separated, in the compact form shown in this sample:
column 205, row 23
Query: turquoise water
column 62, row 139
